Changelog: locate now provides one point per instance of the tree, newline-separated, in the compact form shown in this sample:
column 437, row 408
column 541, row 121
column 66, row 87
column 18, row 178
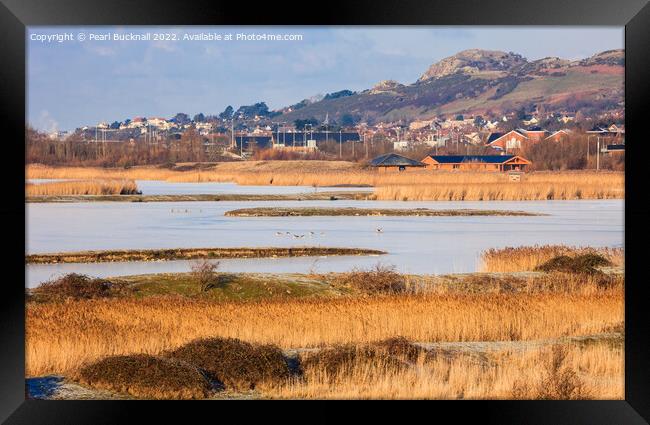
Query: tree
column 479, row 121
column 227, row 113
column 115, row 125
column 348, row 120
column 301, row 124
column 204, row 274
column 459, row 117
column 181, row 118
column 199, row 117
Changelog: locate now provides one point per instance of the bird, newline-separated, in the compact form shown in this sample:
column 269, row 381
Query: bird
column 322, row 233
column 298, row 236
column 312, row 233
column 379, row 230
column 279, row 233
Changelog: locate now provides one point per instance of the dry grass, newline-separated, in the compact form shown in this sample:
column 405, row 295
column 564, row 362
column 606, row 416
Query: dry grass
column 94, row 187
column 62, row 336
column 595, row 371
column 528, row 258
column 415, row 185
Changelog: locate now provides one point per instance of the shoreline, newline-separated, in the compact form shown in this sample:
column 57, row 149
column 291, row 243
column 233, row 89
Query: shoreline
column 105, row 256
column 316, row 196
column 368, row 212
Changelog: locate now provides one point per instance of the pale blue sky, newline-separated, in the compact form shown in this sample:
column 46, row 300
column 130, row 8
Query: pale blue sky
column 74, row 83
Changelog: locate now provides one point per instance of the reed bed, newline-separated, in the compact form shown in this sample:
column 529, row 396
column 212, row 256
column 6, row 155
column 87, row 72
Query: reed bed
column 527, row 258
column 590, row 372
column 412, row 185
column 83, row 187
column 62, row 336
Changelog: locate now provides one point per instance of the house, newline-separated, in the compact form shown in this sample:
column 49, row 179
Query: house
column 394, row 162
column 529, row 119
column 504, row 141
column 400, row 145
column 559, row 136
column 534, row 134
column 476, row 162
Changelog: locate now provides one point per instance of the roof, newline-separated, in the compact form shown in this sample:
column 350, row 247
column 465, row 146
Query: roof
column 394, row 160
column 458, row 159
column 615, row 147
column 596, row 129
column 536, row 128
column 493, row 136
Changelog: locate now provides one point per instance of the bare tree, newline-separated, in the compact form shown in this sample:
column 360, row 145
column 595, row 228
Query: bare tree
column 204, row 274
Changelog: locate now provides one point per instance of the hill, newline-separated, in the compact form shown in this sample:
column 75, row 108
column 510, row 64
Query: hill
column 484, row 82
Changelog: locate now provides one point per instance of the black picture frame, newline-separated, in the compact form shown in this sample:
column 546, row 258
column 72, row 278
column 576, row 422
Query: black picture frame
column 16, row 15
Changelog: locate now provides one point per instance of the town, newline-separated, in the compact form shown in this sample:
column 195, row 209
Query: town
column 254, row 132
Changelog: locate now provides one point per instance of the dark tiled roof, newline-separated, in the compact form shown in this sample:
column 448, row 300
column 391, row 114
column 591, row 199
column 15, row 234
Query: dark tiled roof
column 457, row 159
column 493, row 136
column 615, row 147
column 393, row 160
column 536, row 128
column 596, row 129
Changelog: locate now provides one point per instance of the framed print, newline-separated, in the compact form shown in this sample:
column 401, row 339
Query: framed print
column 381, row 201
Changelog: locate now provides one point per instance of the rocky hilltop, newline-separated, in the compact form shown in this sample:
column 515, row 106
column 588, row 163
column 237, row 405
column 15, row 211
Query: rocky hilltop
column 482, row 82
column 474, row 61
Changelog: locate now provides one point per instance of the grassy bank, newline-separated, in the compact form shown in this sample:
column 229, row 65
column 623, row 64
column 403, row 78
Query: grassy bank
column 375, row 212
column 415, row 185
column 74, row 188
column 528, row 258
column 480, row 335
column 63, row 335
column 310, row 196
column 190, row 254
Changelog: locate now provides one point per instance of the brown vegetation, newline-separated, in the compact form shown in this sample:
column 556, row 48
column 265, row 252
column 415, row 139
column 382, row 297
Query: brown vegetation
column 189, row 254
column 528, row 258
column 591, row 371
column 61, row 336
column 377, row 212
column 416, row 185
column 94, row 187
column 145, row 376
column 235, row 364
column 75, row 286
column 381, row 279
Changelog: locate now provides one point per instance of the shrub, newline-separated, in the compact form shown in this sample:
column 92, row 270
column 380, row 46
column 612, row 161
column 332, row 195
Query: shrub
column 235, row 364
column 381, row 279
column 204, row 274
column 146, row 376
column 559, row 381
column 77, row 287
column 387, row 355
column 586, row 263
column 342, row 360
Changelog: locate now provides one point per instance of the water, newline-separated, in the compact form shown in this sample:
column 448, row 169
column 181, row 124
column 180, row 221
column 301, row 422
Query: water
column 159, row 187
column 414, row 244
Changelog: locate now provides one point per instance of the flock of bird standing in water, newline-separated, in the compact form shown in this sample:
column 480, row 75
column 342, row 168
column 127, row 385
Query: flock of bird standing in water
column 296, row 236
column 311, row 234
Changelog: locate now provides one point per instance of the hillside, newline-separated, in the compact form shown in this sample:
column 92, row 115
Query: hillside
column 481, row 82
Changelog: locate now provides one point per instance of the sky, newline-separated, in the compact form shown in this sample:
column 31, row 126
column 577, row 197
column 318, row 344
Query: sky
column 72, row 82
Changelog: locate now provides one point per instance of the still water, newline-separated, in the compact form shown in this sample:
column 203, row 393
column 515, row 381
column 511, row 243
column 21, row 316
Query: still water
column 414, row 244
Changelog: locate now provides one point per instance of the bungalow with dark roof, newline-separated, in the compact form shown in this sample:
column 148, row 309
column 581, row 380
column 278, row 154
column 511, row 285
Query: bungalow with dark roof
column 477, row 162
column 395, row 162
